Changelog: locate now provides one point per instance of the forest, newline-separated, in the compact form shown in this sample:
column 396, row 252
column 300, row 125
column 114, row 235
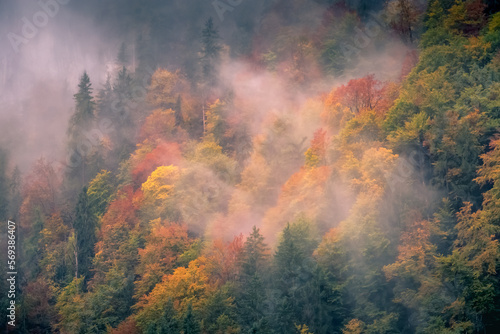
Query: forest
column 265, row 167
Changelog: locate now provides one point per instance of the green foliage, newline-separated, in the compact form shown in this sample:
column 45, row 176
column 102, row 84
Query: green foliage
column 85, row 226
column 100, row 192
column 298, row 283
column 210, row 53
column 190, row 325
column 338, row 51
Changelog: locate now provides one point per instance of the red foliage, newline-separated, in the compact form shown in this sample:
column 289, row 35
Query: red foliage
column 122, row 211
column 164, row 154
column 223, row 259
column 358, row 95
column 475, row 17
column 318, row 143
column 39, row 312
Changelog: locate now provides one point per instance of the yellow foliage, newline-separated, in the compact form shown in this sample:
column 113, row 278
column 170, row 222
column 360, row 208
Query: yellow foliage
column 160, row 183
column 355, row 326
column 159, row 188
column 165, row 88
column 185, row 286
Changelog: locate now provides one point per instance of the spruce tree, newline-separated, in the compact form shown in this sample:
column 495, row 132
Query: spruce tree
column 251, row 299
column 190, row 325
column 123, row 58
column 300, row 293
column 81, row 147
column 169, row 324
column 210, row 53
column 85, row 230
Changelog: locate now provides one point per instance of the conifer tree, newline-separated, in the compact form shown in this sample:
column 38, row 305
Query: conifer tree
column 85, row 230
column 252, row 294
column 81, row 145
column 210, row 53
column 190, row 325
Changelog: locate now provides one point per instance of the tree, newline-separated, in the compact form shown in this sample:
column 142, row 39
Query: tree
column 358, row 95
column 100, row 192
column 210, row 53
column 188, row 288
column 84, row 109
column 40, row 194
column 123, row 58
column 71, row 308
column 81, row 147
column 190, row 324
column 403, row 16
column 471, row 271
column 466, row 17
column 85, row 226
column 159, row 257
column 147, row 159
column 316, row 154
column 158, row 192
column 300, row 295
column 53, row 249
column 251, row 290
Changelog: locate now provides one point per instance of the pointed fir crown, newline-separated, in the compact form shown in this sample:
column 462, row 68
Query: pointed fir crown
column 84, row 100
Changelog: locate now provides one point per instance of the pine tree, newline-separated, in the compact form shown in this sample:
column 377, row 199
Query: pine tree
column 105, row 99
column 80, row 146
column 85, row 230
column 84, row 111
column 300, row 293
column 251, row 301
column 123, row 109
column 15, row 198
column 210, row 53
column 190, row 325
column 122, row 59
column 169, row 324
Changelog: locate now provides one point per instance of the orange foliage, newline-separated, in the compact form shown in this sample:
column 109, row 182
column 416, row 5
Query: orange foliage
column 302, row 194
column 122, row 211
column 185, row 286
column 358, row 95
column 160, row 125
column 163, row 246
column 316, row 154
column 128, row 326
column 415, row 252
column 165, row 154
column 117, row 222
column 223, row 258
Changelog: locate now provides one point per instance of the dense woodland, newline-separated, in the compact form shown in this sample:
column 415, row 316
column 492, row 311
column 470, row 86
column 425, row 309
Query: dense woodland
column 265, row 183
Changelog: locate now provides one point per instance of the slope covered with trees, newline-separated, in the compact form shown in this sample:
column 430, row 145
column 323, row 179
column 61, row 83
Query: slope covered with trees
column 280, row 189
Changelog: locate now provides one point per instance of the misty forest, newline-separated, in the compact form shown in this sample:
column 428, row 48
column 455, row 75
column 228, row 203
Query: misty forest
column 236, row 166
